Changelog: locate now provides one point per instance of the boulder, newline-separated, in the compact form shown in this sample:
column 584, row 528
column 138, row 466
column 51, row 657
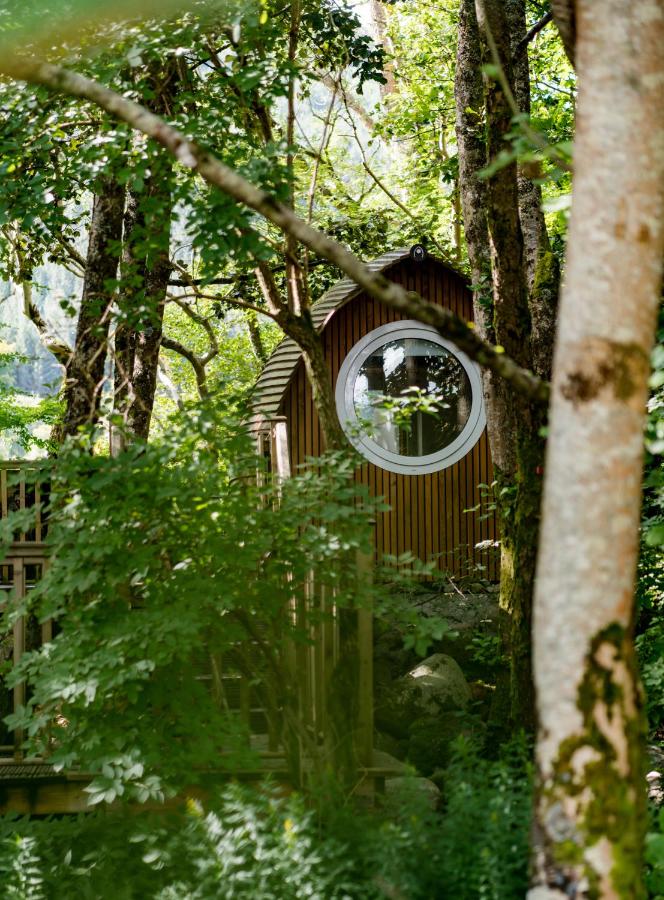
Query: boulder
column 387, row 743
column 400, row 789
column 437, row 684
column 655, row 778
column 469, row 616
column 434, row 686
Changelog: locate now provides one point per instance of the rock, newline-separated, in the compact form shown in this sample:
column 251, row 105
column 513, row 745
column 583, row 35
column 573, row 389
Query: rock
column 469, row 616
column 655, row 787
column 432, row 687
column 438, row 684
column 398, row 789
column 656, row 757
column 429, row 747
column 389, row 744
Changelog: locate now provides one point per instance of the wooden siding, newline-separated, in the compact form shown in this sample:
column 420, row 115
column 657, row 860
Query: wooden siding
column 427, row 514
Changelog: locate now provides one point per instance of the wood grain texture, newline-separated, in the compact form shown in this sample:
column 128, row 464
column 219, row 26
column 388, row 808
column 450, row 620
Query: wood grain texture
column 428, row 512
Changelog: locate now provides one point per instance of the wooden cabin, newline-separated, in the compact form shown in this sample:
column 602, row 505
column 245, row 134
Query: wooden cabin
column 432, row 473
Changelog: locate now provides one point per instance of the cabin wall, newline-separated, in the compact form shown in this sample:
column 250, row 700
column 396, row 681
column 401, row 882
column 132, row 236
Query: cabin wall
column 427, row 511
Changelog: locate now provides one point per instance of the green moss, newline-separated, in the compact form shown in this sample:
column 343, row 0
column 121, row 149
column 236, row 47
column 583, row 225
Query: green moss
column 615, row 804
column 519, row 511
column 547, row 276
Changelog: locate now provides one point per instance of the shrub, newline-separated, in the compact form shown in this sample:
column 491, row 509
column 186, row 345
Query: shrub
column 256, row 844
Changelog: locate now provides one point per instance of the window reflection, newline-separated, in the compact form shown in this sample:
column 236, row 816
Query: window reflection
column 414, row 396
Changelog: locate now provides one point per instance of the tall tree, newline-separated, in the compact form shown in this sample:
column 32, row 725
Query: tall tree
column 516, row 283
column 146, row 269
column 84, row 370
column 591, row 808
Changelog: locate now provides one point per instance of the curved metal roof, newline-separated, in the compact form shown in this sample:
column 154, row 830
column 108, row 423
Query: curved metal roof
column 282, row 364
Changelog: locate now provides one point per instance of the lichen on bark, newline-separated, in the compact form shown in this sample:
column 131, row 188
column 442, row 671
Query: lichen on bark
column 595, row 796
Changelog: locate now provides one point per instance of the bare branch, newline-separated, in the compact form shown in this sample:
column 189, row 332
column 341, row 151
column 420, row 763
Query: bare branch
column 532, row 34
column 324, row 142
column 212, row 170
column 200, row 320
column 60, row 350
column 331, row 83
column 196, row 364
column 377, row 180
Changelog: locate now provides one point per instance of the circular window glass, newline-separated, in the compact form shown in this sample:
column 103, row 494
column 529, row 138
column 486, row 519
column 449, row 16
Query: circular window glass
column 409, row 400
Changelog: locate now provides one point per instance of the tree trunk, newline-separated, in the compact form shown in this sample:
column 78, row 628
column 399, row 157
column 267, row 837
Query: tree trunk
column 146, row 274
column 132, row 272
column 591, row 806
column 147, row 339
column 379, row 14
column 542, row 270
column 84, row 374
column 301, row 329
column 517, row 450
column 493, row 212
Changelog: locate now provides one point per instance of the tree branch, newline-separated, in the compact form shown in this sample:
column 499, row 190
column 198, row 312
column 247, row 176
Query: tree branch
column 203, row 322
column 196, row 364
column 532, row 34
column 378, row 181
column 72, row 253
column 273, row 299
column 537, row 139
column 331, row 84
column 565, row 18
column 230, row 279
column 61, row 351
column 212, row 170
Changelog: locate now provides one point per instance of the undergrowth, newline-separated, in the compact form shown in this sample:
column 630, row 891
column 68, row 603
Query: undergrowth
column 248, row 842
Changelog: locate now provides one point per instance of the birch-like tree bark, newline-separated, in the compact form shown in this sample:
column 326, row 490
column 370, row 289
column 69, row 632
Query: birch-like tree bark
column 591, row 806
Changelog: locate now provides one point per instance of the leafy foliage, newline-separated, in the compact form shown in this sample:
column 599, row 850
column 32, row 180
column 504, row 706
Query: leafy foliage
column 18, row 420
column 161, row 558
column 248, row 843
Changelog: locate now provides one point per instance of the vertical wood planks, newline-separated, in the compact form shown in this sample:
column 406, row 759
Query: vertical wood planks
column 427, row 511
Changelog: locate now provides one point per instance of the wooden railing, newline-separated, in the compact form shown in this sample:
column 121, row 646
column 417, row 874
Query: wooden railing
column 21, row 488
column 313, row 664
column 23, row 565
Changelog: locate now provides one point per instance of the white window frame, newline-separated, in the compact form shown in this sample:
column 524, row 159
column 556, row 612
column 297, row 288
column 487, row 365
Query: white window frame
column 370, row 449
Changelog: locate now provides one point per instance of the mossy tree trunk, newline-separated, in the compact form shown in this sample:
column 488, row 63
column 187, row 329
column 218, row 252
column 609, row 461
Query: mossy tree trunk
column 516, row 285
column 146, row 269
column 148, row 334
column 84, row 371
column 591, row 803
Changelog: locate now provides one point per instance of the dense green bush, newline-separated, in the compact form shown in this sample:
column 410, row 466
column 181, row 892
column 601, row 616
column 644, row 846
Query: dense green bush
column 253, row 843
column 161, row 560
column 650, row 639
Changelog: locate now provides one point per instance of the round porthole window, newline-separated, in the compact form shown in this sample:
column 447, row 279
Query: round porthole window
column 410, row 401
